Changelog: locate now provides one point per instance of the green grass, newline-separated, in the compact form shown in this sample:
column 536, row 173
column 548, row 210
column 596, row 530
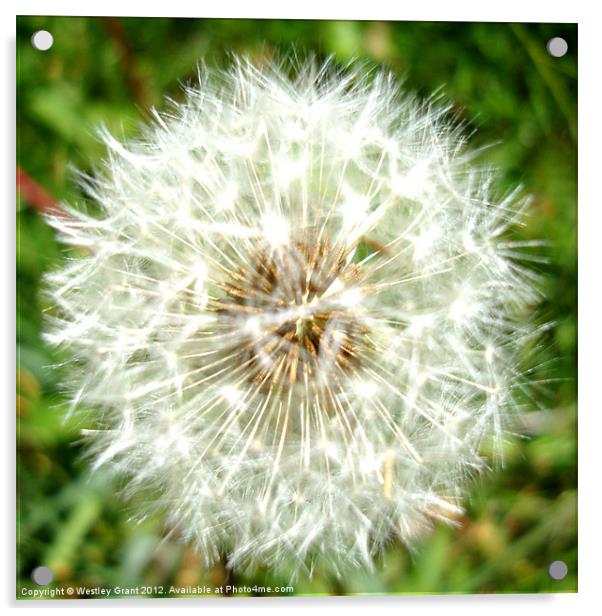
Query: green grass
column 502, row 83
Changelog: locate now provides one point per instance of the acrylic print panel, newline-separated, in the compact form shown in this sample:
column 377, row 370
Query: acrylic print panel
column 296, row 307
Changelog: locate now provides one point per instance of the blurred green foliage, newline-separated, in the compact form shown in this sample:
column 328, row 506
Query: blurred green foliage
column 501, row 82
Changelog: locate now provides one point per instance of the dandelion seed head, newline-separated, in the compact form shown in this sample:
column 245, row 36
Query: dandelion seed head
column 296, row 315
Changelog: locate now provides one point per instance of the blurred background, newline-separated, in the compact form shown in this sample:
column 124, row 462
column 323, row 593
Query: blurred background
column 503, row 83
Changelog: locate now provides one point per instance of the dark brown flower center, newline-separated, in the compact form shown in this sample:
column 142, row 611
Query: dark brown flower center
column 293, row 314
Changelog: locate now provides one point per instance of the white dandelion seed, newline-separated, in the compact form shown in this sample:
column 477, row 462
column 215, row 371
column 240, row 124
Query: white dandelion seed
column 297, row 315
